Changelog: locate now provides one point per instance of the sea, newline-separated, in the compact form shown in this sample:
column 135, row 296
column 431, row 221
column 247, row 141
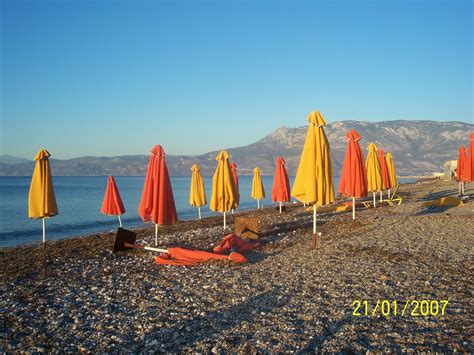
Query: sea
column 79, row 200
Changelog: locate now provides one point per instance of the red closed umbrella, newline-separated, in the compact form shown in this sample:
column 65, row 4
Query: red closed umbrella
column 387, row 184
column 157, row 202
column 353, row 181
column 233, row 168
column 281, row 183
column 462, row 169
column 470, row 161
column 112, row 204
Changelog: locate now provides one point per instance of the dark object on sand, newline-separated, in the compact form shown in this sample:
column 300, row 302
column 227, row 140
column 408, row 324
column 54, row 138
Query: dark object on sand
column 125, row 240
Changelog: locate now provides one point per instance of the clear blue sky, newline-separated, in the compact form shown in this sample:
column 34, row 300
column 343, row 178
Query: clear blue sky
column 116, row 77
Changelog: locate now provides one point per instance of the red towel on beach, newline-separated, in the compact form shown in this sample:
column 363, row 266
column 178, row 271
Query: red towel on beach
column 186, row 257
column 231, row 242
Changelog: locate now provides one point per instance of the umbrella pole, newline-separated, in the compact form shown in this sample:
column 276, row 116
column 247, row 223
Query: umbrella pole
column 120, row 221
column 381, row 196
column 44, row 231
column 225, row 226
column 156, row 234
column 232, row 211
column 353, row 211
column 314, row 226
column 280, row 206
column 388, row 193
column 258, row 204
column 374, row 198
column 199, row 212
column 463, row 187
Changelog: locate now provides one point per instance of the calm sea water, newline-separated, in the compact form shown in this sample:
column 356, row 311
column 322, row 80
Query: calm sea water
column 79, row 201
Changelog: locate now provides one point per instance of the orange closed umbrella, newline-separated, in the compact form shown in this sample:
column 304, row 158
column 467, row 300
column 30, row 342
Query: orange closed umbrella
column 374, row 171
column 470, row 161
column 41, row 198
column 112, row 204
column 281, row 183
column 353, row 181
column 462, row 169
column 313, row 181
column 233, row 168
column 223, row 190
column 387, row 184
column 157, row 202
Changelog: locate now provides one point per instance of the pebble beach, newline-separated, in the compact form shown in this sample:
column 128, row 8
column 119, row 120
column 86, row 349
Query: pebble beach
column 75, row 295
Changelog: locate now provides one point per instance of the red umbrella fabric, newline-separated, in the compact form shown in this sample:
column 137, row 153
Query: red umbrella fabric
column 470, row 162
column 186, row 257
column 233, row 168
column 462, row 167
column 353, row 181
column 112, row 204
column 281, row 182
column 387, row 184
column 157, row 202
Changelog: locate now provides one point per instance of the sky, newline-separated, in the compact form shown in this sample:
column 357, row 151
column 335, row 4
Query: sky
column 107, row 78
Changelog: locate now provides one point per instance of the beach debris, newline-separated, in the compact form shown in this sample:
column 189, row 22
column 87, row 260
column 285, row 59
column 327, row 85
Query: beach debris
column 125, row 239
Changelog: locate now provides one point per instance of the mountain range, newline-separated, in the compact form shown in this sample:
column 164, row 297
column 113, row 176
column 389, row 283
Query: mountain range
column 418, row 148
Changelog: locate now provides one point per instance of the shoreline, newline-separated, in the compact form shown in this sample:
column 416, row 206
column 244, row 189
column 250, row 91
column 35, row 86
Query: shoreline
column 75, row 295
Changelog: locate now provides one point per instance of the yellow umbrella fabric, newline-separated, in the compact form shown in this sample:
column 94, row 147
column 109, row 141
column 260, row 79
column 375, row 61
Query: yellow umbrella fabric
column 313, row 181
column 391, row 169
column 374, row 171
column 258, row 191
column 197, row 194
column 223, row 191
column 41, row 199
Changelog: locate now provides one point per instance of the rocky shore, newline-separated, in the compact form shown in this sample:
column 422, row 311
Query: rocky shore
column 75, row 295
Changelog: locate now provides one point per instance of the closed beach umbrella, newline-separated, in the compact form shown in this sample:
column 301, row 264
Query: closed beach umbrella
column 223, row 190
column 112, row 204
column 258, row 192
column 41, row 199
column 281, row 183
column 462, row 169
column 385, row 172
column 353, row 181
column 391, row 171
column 197, row 195
column 233, row 168
column 157, row 202
column 374, row 171
column 313, row 181
column 470, row 161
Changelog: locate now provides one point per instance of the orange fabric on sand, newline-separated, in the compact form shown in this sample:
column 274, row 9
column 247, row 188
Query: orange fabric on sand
column 281, row 182
column 233, row 168
column 157, row 202
column 186, row 257
column 387, row 184
column 112, row 204
column 462, row 168
column 234, row 243
column 353, row 181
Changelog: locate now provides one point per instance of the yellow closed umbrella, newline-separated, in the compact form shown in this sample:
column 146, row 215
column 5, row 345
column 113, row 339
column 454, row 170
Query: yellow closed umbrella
column 391, row 171
column 197, row 195
column 258, row 191
column 41, row 199
column 313, row 182
column 374, row 171
column 223, row 197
